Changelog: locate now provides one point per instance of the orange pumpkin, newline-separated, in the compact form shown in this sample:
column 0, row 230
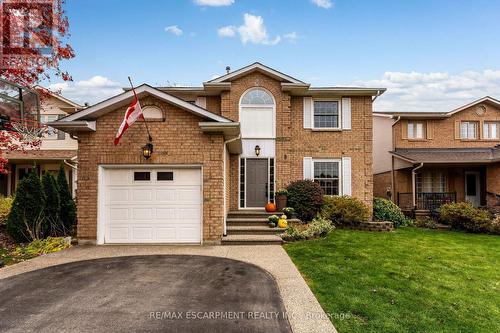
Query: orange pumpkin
column 270, row 207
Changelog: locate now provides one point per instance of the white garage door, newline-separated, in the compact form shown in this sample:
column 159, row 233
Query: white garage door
column 152, row 205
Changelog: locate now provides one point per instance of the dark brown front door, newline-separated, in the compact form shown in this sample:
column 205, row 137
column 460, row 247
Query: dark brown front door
column 256, row 182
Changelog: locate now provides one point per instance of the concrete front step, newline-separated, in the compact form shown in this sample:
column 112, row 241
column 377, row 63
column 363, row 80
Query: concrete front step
column 251, row 240
column 251, row 213
column 253, row 230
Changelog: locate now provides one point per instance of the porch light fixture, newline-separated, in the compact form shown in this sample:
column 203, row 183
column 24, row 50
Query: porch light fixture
column 147, row 150
column 257, row 150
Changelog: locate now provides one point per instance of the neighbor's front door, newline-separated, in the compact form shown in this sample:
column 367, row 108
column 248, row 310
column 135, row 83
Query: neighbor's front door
column 256, row 182
column 472, row 188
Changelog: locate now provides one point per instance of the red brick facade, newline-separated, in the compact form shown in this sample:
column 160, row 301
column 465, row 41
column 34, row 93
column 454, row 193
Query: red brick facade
column 179, row 140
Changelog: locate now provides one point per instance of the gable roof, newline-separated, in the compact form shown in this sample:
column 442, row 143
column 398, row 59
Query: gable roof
column 60, row 97
column 95, row 111
column 441, row 115
column 259, row 67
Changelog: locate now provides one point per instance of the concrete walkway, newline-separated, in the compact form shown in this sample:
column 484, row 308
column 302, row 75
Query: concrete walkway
column 303, row 310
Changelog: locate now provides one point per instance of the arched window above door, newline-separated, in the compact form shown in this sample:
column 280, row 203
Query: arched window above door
column 257, row 113
column 257, row 96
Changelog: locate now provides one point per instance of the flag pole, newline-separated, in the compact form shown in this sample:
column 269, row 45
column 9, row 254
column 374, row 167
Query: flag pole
column 144, row 119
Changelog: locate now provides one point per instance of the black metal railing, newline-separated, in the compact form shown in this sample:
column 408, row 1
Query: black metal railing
column 426, row 200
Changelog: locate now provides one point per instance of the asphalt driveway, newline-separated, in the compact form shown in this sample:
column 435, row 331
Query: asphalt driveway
column 167, row 293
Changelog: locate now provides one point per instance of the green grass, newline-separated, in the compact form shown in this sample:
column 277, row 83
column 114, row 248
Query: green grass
column 411, row 280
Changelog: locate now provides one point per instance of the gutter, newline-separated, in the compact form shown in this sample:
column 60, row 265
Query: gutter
column 224, row 168
column 414, row 185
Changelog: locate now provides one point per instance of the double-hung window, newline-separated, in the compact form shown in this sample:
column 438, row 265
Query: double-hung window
column 326, row 174
column 51, row 133
column 416, row 130
column 490, row 130
column 468, row 130
column 326, row 114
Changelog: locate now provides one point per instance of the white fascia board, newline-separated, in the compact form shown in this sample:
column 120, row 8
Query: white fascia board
column 143, row 90
column 481, row 100
column 252, row 67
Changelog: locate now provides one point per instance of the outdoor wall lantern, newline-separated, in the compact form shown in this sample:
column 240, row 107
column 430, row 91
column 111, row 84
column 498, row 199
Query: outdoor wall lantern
column 147, row 150
column 257, row 150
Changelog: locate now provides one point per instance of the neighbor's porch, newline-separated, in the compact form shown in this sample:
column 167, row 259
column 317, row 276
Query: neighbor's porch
column 431, row 186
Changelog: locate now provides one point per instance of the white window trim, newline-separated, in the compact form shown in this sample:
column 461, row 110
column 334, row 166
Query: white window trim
column 45, row 119
column 258, row 106
column 339, row 127
column 334, row 160
column 469, row 123
column 414, row 134
column 487, row 124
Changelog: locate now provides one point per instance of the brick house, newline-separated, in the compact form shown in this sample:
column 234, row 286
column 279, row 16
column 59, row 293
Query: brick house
column 220, row 148
column 57, row 147
column 438, row 157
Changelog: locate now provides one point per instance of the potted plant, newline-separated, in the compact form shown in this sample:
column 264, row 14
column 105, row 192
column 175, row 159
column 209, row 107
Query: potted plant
column 289, row 212
column 273, row 221
column 281, row 198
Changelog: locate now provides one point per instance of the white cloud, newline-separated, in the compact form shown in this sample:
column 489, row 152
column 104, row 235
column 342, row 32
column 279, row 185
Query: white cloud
column 93, row 90
column 435, row 91
column 323, row 3
column 227, row 31
column 291, row 37
column 214, row 3
column 254, row 31
column 174, row 29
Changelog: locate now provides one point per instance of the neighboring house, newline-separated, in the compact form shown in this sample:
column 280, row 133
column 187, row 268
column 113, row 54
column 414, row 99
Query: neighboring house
column 439, row 157
column 56, row 147
column 225, row 146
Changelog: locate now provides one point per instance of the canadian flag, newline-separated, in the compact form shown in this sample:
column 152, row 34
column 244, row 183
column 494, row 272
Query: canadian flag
column 133, row 113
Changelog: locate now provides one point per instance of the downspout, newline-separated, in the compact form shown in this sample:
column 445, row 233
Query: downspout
column 224, row 168
column 414, row 185
column 377, row 95
column 75, row 170
column 393, row 175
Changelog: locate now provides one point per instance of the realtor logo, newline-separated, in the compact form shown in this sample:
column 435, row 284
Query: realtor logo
column 26, row 30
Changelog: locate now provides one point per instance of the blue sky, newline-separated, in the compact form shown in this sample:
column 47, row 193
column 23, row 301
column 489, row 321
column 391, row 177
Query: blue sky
column 430, row 54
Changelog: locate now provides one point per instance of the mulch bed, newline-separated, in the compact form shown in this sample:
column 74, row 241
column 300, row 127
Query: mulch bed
column 5, row 240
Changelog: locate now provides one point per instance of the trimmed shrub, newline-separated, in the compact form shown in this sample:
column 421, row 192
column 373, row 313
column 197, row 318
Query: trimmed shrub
column 5, row 207
column 52, row 207
column 67, row 214
column 464, row 216
column 386, row 210
column 25, row 221
column 344, row 210
column 495, row 225
column 426, row 222
column 319, row 227
column 306, row 197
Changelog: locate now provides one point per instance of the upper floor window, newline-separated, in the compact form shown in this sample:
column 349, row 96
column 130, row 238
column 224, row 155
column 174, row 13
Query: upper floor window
column 490, row 130
column 468, row 130
column 326, row 174
column 326, row 114
column 416, row 130
column 257, row 110
column 51, row 133
column 257, row 97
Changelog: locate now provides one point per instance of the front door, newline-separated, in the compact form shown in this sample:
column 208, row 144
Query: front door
column 256, row 182
column 472, row 188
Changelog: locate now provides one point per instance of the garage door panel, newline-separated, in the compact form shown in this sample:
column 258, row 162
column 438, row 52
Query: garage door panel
column 142, row 213
column 155, row 211
column 142, row 195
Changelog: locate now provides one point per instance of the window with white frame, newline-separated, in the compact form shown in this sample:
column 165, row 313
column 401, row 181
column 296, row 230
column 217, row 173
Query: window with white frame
column 51, row 133
column 490, row 130
column 416, row 130
column 431, row 181
column 468, row 130
column 326, row 114
column 257, row 114
column 326, row 174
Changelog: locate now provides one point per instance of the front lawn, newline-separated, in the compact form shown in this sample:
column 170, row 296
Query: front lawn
column 410, row 280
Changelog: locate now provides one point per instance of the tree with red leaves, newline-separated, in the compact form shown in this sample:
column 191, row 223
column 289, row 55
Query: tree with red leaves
column 32, row 45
